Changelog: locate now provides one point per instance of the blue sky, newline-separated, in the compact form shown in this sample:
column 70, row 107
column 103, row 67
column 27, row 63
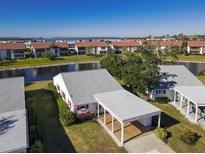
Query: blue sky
column 50, row 18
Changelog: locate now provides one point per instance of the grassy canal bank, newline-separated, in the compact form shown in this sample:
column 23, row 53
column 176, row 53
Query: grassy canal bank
column 43, row 62
column 26, row 63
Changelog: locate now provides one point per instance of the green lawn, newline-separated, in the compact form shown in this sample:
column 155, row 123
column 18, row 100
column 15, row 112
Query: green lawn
column 192, row 58
column 202, row 78
column 174, row 121
column 197, row 58
column 44, row 61
column 85, row 137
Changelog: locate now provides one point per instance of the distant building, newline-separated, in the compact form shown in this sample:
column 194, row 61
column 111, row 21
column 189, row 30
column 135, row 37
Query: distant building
column 38, row 48
column 96, row 48
column 12, row 50
column 196, row 47
column 130, row 45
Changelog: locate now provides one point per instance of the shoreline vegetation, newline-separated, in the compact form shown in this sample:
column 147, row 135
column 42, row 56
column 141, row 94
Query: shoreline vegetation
column 77, row 59
column 45, row 62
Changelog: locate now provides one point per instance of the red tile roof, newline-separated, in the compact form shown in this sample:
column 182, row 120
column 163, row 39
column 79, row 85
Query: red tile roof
column 165, row 43
column 91, row 44
column 7, row 46
column 196, row 43
column 125, row 43
column 45, row 45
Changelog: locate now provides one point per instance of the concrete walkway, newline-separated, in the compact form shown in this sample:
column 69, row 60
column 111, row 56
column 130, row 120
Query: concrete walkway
column 147, row 143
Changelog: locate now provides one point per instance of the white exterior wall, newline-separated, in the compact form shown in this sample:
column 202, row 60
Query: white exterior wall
column 169, row 94
column 3, row 53
column 199, row 50
column 57, row 80
column 146, row 121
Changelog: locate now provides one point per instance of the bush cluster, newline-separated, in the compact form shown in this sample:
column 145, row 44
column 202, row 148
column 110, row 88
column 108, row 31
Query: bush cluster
column 190, row 137
column 37, row 147
column 66, row 116
column 162, row 133
column 50, row 55
column 162, row 100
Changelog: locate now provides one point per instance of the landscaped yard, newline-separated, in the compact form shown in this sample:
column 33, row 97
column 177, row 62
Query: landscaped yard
column 45, row 61
column 84, row 137
column 198, row 58
column 175, row 122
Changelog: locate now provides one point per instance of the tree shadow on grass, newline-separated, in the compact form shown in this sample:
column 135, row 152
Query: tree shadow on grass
column 55, row 138
column 166, row 120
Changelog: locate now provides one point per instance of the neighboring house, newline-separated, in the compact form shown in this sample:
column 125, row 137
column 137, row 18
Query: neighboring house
column 131, row 45
column 172, row 76
column 39, row 48
column 13, row 116
column 196, row 47
column 12, row 50
column 96, row 48
column 78, row 88
column 72, row 49
column 164, row 44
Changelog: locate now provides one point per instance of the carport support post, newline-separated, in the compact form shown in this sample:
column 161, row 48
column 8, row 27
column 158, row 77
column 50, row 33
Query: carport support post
column 175, row 96
column 98, row 110
column 104, row 116
column 188, row 107
column 122, row 132
column 181, row 99
column 159, row 119
column 112, row 124
column 196, row 118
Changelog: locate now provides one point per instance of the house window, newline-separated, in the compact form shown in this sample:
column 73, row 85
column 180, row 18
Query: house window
column 63, row 95
column 58, row 88
column 160, row 91
column 87, row 106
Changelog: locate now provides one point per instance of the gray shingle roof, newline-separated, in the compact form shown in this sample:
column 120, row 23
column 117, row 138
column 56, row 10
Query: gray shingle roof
column 125, row 105
column 12, row 95
column 177, row 75
column 83, row 85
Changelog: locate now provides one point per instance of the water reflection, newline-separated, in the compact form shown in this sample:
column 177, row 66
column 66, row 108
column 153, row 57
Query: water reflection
column 47, row 73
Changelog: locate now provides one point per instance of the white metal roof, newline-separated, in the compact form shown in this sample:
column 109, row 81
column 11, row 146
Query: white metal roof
column 125, row 106
column 195, row 93
column 13, row 131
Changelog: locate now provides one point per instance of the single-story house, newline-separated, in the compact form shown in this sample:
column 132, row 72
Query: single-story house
column 13, row 116
column 91, row 47
column 172, row 76
column 58, row 48
column 196, row 47
column 97, row 92
column 131, row 45
column 78, row 88
column 12, row 50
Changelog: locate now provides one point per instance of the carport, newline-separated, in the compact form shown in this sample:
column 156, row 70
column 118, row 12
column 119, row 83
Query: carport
column 190, row 100
column 124, row 107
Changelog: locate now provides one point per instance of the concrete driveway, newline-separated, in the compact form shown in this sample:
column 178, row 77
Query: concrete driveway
column 147, row 143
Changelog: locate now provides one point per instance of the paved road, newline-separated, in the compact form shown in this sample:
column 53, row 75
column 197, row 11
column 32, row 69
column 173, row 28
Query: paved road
column 147, row 143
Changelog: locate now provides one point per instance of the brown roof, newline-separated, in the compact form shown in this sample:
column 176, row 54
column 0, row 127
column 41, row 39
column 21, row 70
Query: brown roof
column 7, row 46
column 125, row 43
column 196, row 43
column 45, row 45
column 91, row 44
column 165, row 43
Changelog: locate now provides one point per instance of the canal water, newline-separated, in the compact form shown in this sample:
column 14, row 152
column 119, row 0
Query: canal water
column 47, row 73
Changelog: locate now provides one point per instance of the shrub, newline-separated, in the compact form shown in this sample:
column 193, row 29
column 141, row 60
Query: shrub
column 50, row 55
column 37, row 147
column 201, row 73
column 189, row 136
column 162, row 100
column 66, row 116
column 162, row 133
column 33, row 129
